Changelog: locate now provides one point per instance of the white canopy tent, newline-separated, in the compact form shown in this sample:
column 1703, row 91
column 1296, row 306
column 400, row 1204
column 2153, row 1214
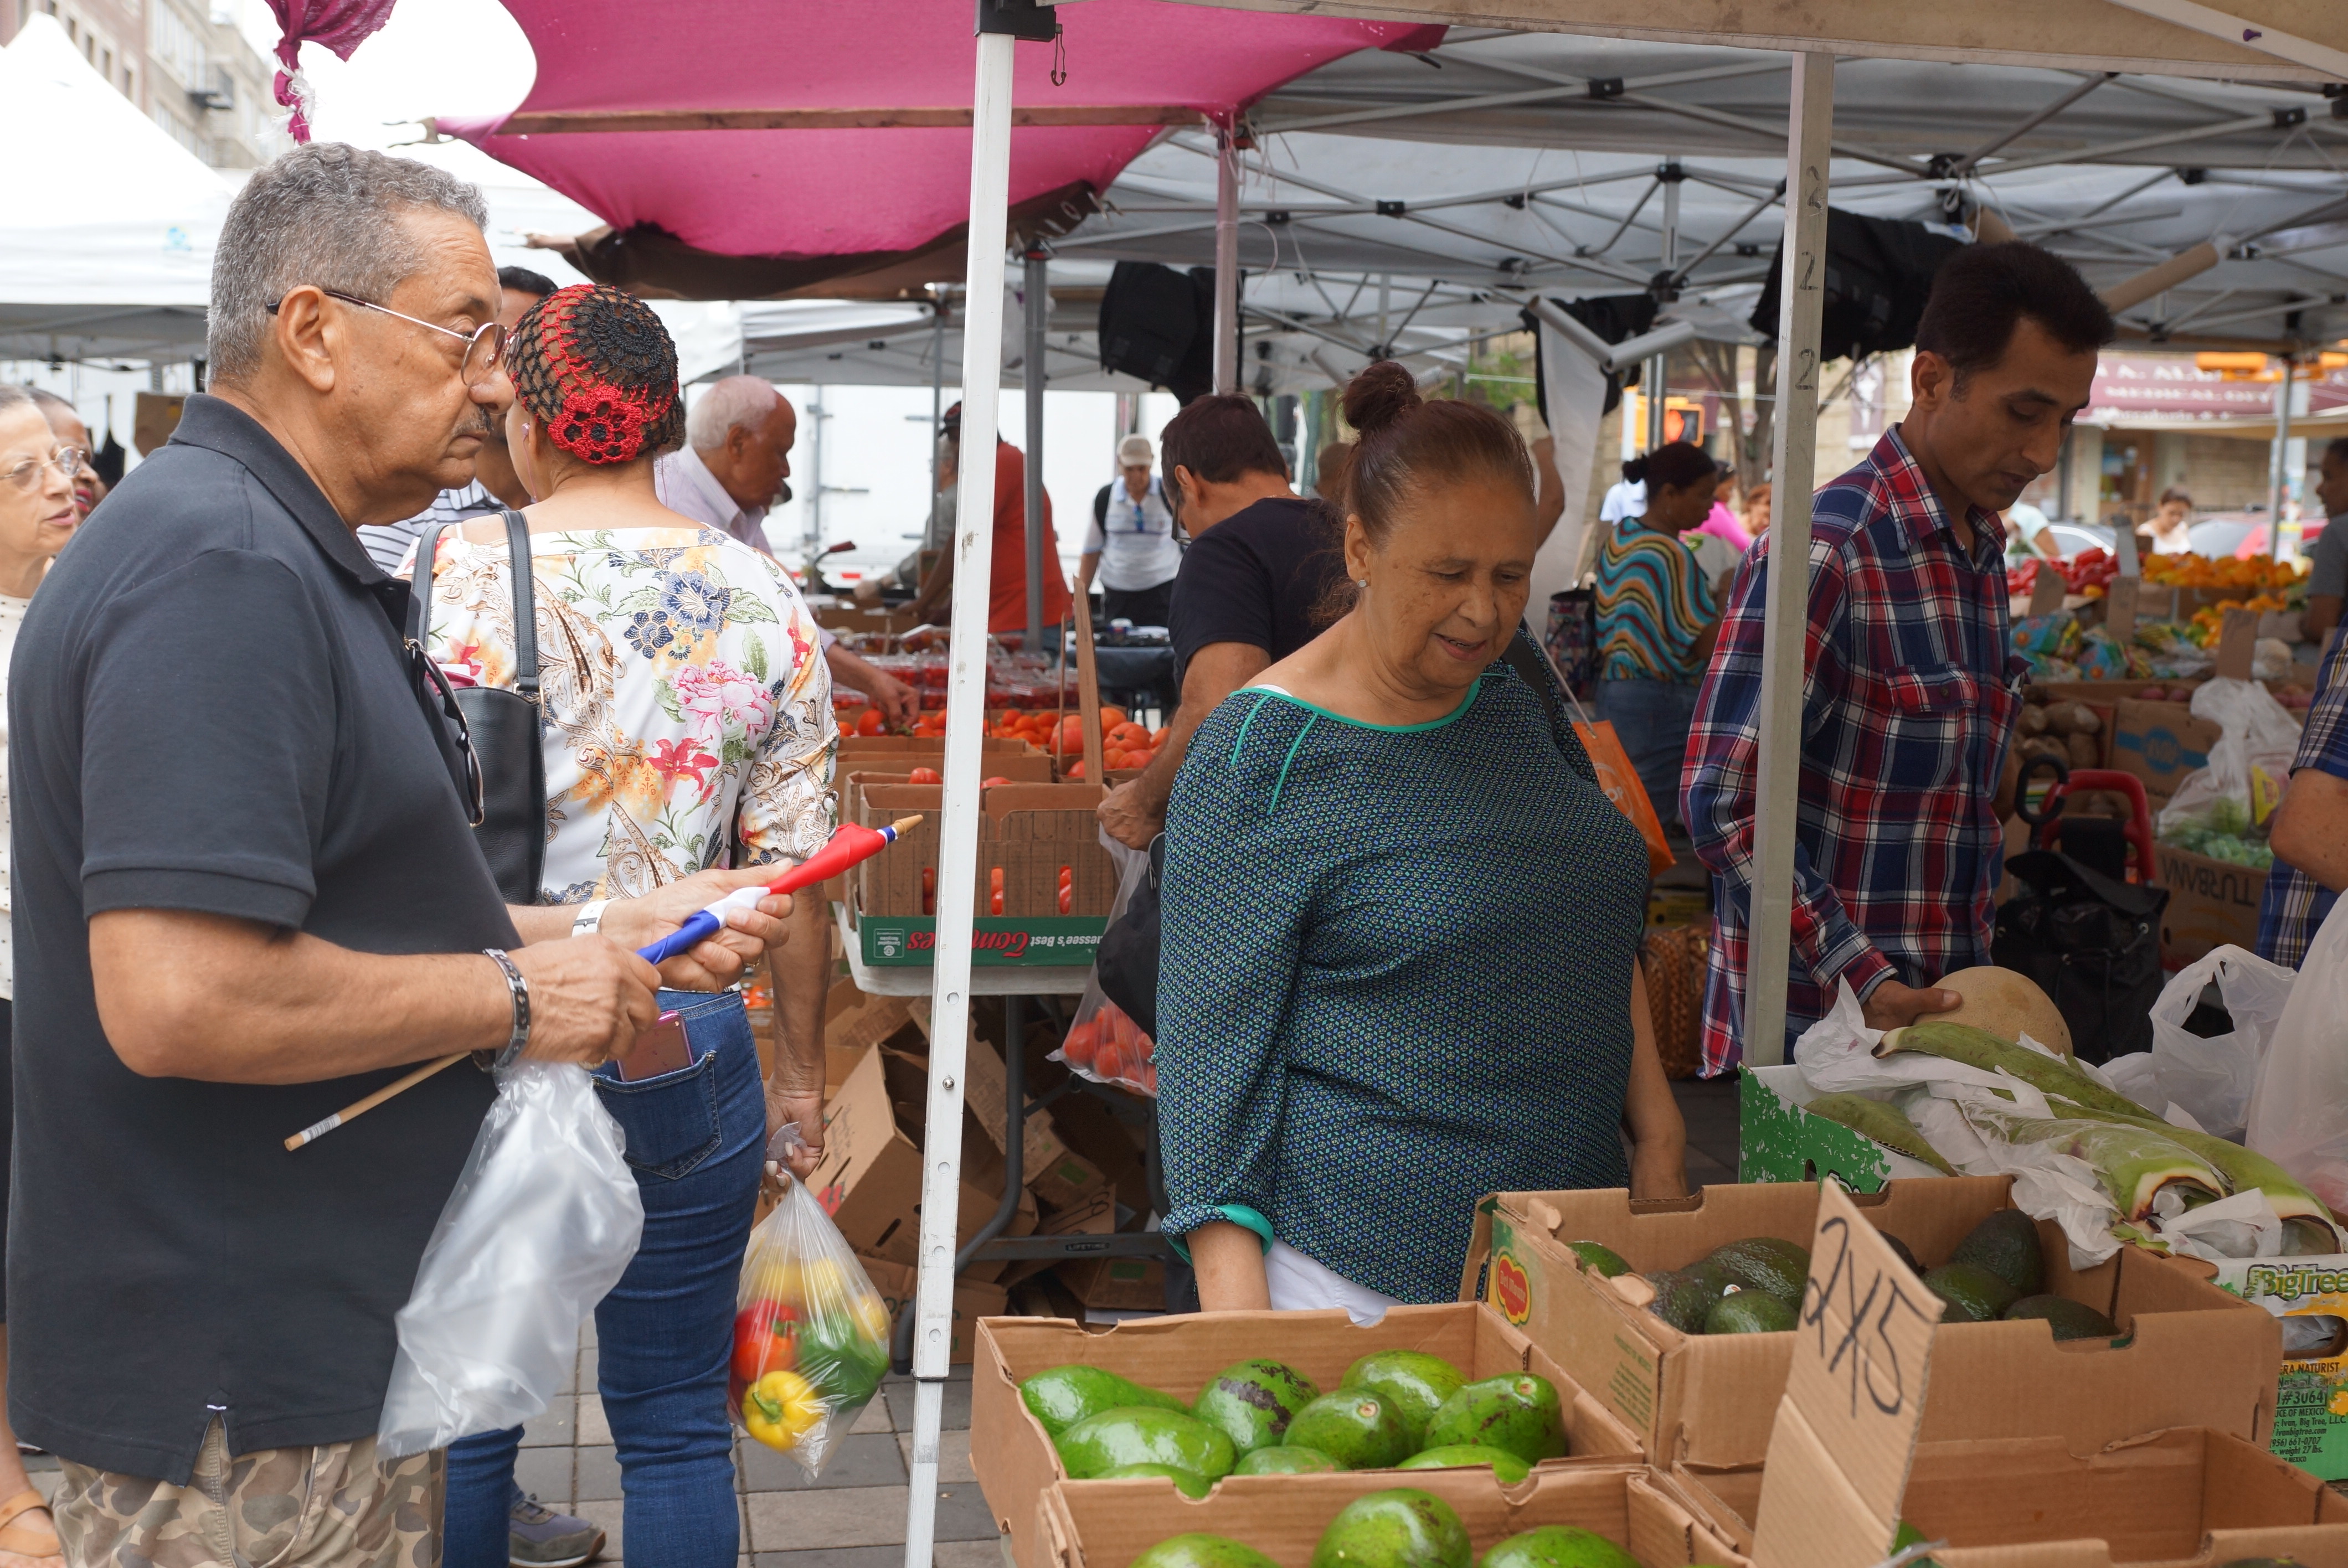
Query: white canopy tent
column 118, row 271
column 2160, row 37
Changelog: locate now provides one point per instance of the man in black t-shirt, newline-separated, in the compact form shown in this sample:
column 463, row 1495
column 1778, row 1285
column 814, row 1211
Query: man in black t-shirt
column 1260, row 570
column 246, row 894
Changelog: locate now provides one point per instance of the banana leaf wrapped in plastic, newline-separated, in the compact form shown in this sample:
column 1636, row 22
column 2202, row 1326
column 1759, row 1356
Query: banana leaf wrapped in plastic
column 1962, row 1043
column 2309, row 1226
column 2135, row 1164
column 1885, row 1123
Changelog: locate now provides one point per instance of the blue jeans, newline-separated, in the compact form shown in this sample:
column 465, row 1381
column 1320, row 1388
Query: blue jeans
column 1652, row 719
column 696, row 1140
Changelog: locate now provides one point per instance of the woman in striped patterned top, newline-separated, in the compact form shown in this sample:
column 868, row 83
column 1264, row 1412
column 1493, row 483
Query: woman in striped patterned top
column 1657, row 616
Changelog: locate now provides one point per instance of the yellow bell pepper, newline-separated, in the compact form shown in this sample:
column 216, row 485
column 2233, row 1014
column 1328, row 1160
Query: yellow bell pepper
column 778, row 1409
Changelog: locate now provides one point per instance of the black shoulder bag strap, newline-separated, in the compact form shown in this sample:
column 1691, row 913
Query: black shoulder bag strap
column 504, row 726
column 1534, row 668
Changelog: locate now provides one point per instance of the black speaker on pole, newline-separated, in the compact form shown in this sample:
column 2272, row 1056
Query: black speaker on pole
column 1157, row 326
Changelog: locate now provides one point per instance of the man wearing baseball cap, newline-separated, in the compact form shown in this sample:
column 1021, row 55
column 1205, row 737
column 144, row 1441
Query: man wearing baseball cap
column 1132, row 543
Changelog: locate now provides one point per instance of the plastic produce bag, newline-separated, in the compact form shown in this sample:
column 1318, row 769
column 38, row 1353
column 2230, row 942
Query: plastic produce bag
column 2298, row 1116
column 2248, row 768
column 1105, row 1044
column 810, row 1334
column 2210, row 1080
column 544, row 1219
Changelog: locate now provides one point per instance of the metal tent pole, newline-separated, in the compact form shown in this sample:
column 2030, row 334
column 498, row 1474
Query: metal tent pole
column 974, row 542
column 2278, row 461
column 1031, row 379
column 930, row 539
column 1769, row 928
column 1227, row 264
column 1656, row 371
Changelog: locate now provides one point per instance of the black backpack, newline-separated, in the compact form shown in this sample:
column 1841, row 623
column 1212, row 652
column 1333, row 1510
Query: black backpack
column 2092, row 942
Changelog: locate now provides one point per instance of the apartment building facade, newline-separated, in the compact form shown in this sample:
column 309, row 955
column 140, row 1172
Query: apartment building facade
column 183, row 62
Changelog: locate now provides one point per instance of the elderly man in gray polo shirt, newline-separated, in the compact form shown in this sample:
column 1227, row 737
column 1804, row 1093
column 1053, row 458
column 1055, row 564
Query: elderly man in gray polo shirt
column 735, row 464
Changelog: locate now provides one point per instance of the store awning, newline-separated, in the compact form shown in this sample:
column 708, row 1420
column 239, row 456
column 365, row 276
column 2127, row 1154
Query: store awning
column 831, row 141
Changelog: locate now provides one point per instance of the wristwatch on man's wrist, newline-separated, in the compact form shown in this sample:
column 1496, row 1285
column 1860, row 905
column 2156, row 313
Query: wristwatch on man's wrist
column 590, row 918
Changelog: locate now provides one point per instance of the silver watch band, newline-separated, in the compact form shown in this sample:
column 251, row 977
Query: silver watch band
column 520, row 989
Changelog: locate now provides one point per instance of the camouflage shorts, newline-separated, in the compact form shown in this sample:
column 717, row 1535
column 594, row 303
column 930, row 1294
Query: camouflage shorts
column 277, row 1508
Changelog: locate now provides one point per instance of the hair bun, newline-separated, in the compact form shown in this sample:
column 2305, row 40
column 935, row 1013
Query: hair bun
column 1379, row 397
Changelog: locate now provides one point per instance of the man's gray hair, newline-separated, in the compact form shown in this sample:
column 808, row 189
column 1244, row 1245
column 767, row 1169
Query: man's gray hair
column 742, row 402
column 14, row 397
column 325, row 214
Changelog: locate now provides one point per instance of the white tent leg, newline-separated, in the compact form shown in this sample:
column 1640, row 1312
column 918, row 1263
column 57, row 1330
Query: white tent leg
column 1809, row 124
column 1031, row 379
column 1227, row 264
column 974, row 548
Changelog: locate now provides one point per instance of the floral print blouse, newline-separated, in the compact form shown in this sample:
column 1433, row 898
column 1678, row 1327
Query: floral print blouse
column 687, row 705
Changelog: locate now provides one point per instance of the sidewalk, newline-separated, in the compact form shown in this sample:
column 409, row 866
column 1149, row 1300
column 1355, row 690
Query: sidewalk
column 852, row 1517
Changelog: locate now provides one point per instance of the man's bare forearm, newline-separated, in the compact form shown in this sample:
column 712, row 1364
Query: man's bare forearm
column 223, row 1000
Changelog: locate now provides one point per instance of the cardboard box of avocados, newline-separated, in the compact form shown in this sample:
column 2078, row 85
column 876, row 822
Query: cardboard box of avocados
column 2191, row 1355
column 1177, row 1355
column 1846, row 1477
column 1109, row 1523
column 2183, row 1496
column 2310, row 1295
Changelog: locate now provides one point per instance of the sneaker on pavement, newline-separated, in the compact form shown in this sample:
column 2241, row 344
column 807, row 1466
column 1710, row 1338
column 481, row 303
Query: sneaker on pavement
column 537, row 1537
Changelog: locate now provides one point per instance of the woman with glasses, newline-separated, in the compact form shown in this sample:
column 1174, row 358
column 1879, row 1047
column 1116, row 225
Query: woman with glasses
column 36, row 518
column 686, row 717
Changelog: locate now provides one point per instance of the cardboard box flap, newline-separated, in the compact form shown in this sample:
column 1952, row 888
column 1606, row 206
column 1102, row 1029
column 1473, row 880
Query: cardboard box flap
column 1854, row 1402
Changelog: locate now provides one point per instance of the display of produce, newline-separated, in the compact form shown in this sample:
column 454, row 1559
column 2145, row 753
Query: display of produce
column 2005, row 1003
column 2191, row 570
column 1708, row 1296
column 1403, row 1528
column 1262, row 1417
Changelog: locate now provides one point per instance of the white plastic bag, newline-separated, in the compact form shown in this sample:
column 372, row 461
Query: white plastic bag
column 2250, row 764
column 1104, row 1043
column 2213, row 1079
column 543, row 1221
column 2299, row 1117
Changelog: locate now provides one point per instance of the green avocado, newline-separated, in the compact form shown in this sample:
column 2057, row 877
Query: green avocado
column 1187, row 1482
column 1251, row 1402
column 1600, row 1256
column 1906, row 1256
column 1748, row 1312
column 1764, row 1262
column 1361, row 1430
column 1412, row 1381
column 1683, row 1295
column 1975, row 1294
column 1459, row 1456
column 1558, row 1546
column 1145, row 1435
column 1285, row 1460
column 1518, row 1411
column 2006, row 1243
column 1202, row 1551
column 2069, row 1319
column 1398, row 1529
column 1060, row 1397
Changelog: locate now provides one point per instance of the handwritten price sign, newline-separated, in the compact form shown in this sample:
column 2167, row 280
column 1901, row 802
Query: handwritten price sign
column 1846, row 1428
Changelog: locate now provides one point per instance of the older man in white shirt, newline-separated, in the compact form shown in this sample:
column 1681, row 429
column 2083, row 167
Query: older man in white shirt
column 735, row 464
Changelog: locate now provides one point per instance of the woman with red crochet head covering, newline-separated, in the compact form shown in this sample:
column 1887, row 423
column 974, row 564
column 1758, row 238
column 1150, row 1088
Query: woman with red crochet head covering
column 686, row 717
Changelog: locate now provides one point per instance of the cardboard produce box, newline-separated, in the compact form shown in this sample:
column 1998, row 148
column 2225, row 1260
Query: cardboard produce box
column 1780, row 1142
column 870, row 1178
column 972, row 1301
column 2160, row 743
column 2186, row 1495
column 2310, row 1295
column 1015, row 1460
column 2211, row 902
column 2194, row 1356
column 1108, row 1523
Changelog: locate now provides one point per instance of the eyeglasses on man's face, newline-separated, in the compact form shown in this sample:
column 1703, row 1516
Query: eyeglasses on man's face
column 25, row 476
column 484, row 348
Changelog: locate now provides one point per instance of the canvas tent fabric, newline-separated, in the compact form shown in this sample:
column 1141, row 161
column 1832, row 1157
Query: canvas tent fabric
column 123, row 273
column 862, row 194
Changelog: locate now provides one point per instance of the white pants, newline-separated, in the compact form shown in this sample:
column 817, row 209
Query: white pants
column 1300, row 1284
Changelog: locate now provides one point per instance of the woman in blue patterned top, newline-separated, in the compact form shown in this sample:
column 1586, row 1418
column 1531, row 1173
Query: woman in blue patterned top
column 1401, row 922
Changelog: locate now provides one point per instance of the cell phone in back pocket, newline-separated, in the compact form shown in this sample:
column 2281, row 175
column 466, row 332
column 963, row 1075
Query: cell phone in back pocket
column 660, row 1049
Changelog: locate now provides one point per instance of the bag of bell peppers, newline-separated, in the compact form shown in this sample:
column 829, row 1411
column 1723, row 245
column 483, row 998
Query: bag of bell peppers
column 810, row 1334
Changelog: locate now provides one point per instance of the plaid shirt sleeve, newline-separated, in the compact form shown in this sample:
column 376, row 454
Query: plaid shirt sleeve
column 1724, row 757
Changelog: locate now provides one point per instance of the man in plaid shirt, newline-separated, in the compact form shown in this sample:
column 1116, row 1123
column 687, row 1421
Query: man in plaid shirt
column 1911, row 687
column 2310, row 833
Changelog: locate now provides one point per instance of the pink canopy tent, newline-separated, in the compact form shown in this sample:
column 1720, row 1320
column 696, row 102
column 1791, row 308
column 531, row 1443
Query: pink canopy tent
column 810, row 137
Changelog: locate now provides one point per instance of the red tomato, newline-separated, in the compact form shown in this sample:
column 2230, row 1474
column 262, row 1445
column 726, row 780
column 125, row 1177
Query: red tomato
column 1112, row 715
column 990, row 784
column 1075, row 774
column 871, row 723
column 1108, row 1061
column 923, row 775
column 765, row 1339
